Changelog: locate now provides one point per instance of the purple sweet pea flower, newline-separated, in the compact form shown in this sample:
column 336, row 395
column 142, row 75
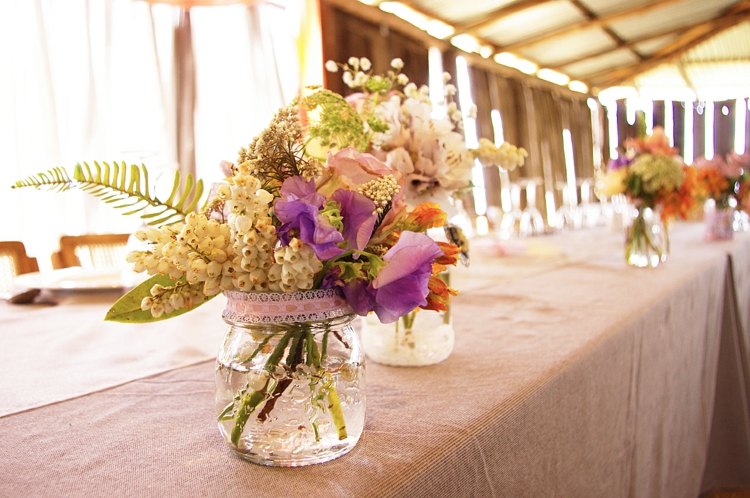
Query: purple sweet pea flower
column 332, row 279
column 296, row 187
column 358, row 213
column 361, row 296
column 618, row 163
column 402, row 284
column 298, row 211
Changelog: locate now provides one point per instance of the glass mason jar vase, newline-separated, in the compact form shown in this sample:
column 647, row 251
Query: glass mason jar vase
column 290, row 377
column 646, row 239
column 719, row 221
column 419, row 338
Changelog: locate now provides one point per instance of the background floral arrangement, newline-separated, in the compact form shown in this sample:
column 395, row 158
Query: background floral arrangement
column 723, row 179
column 651, row 173
column 423, row 146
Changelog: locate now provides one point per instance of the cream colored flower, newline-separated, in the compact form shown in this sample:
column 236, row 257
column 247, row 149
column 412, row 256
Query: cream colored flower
column 613, row 182
column 294, row 267
column 507, row 156
column 658, row 172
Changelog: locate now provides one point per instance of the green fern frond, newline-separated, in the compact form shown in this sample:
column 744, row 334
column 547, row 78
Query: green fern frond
column 124, row 187
column 56, row 179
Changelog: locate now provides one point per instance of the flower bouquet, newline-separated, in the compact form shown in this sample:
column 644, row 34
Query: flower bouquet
column 719, row 181
column 657, row 183
column 743, row 193
column 305, row 231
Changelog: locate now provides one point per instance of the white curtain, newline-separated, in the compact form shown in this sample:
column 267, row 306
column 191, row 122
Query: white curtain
column 94, row 80
column 246, row 68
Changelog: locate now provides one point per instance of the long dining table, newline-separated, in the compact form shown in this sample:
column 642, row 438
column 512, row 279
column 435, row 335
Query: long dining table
column 573, row 375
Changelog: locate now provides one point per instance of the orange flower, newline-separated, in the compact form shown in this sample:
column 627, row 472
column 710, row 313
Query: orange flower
column 450, row 253
column 712, row 183
column 679, row 202
column 424, row 216
column 439, row 295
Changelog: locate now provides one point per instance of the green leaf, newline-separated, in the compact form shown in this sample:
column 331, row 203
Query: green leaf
column 127, row 309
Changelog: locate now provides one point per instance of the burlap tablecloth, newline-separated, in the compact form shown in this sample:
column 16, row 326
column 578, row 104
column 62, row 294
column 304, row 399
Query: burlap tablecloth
column 586, row 379
column 53, row 353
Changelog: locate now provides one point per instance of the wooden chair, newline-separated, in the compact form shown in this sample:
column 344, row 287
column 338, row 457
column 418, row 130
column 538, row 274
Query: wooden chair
column 91, row 251
column 14, row 261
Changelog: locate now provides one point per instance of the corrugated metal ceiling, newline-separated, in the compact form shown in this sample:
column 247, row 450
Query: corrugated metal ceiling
column 611, row 42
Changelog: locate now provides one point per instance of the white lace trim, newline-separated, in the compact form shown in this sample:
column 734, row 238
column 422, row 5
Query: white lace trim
column 285, row 307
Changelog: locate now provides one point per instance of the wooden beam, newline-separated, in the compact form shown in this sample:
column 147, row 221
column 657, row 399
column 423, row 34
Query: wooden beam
column 498, row 14
column 587, row 24
column 377, row 16
column 627, row 44
column 591, row 15
column 687, row 41
column 733, row 15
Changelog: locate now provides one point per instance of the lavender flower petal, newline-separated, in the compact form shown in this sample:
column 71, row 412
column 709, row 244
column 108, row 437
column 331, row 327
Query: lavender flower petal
column 296, row 187
column 299, row 217
column 399, row 298
column 414, row 252
column 402, row 284
column 360, row 295
column 358, row 213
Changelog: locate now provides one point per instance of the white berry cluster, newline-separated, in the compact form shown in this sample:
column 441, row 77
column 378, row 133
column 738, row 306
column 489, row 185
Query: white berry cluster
column 421, row 94
column 167, row 299
column 253, row 235
column 294, row 267
column 507, row 156
column 357, row 74
column 197, row 250
column 381, row 191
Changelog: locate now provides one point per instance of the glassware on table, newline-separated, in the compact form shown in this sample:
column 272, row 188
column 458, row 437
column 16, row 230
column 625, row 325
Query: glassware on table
column 591, row 212
column 290, row 378
column 568, row 216
column 531, row 222
column 518, row 222
column 511, row 219
column 741, row 221
column 718, row 221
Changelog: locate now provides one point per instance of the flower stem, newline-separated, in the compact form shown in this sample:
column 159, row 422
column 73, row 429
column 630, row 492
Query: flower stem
column 409, row 320
column 248, row 402
column 292, row 360
column 337, row 414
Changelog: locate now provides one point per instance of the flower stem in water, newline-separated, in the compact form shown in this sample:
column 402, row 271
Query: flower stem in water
column 248, row 402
